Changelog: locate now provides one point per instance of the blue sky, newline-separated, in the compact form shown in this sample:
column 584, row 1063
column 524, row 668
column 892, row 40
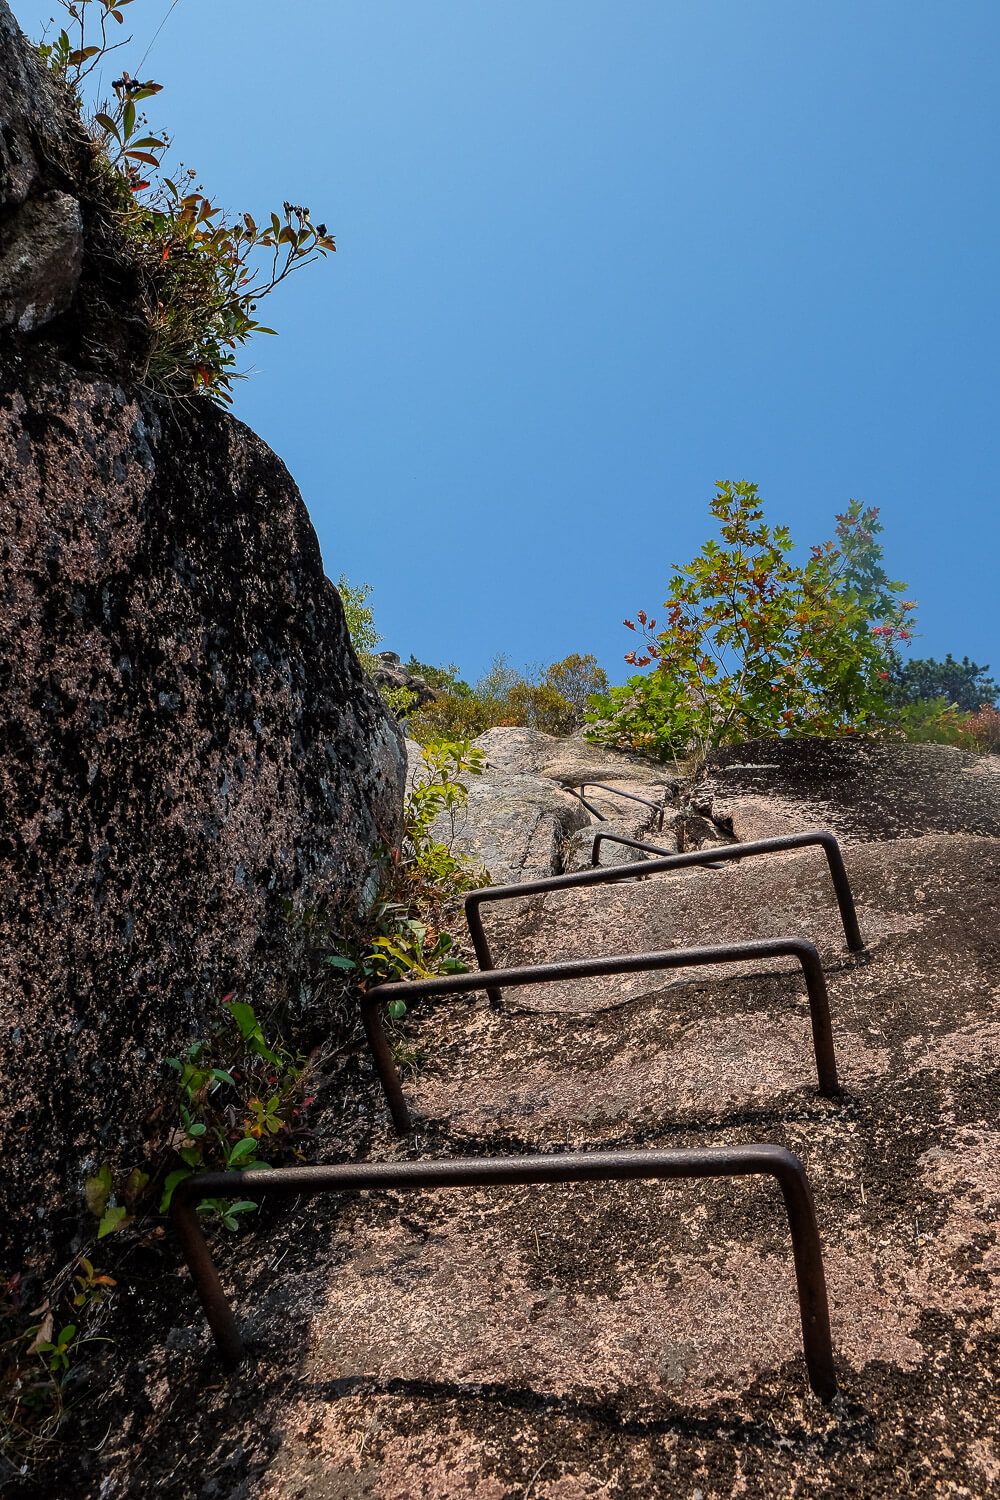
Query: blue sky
column 593, row 256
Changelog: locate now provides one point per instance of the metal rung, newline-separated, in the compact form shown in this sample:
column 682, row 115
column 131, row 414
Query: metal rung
column 656, row 807
column 491, row 980
column 736, row 1161
column 613, row 873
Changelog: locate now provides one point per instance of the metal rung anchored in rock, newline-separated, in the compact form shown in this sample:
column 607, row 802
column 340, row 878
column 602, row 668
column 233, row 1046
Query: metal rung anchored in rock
column 496, row 1171
column 494, row 981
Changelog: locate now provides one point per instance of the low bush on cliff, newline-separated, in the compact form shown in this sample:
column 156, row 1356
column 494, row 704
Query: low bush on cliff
column 359, row 617
column 203, row 270
column 552, row 700
column 754, row 644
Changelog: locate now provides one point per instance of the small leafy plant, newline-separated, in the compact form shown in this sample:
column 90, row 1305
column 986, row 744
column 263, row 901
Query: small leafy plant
column 203, row 270
column 359, row 616
column 404, row 934
column 38, row 1352
column 231, row 1110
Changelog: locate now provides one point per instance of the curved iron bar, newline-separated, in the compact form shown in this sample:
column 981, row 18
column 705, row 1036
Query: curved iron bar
column 607, row 875
column 821, row 838
column 491, row 981
column 658, row 808
column 728, row 1161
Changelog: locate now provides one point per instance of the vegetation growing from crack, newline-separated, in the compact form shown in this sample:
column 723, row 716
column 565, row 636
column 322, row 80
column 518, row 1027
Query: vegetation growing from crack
column 404, row 933
column 240, row 1104
column 203, row 270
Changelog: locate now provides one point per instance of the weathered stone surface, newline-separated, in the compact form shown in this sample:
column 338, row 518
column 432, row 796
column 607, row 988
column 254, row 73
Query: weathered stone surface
column 187, row 739
column 41, row 257
column 642, row 1339
column 522, row 822
column 39, row 138
column 513, row 826
column 862, row 787
column 570, row 761
column 390, row 673
column 67, row 274
column 579, row 848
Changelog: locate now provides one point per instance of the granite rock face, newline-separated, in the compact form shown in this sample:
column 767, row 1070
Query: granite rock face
column 41, row 257
column 188, row 746
column 863, row 788
column 39, row 138
column 643, row 1339
column 187, row 738
column 67, row 275
column 389, row 672
column 523, row 820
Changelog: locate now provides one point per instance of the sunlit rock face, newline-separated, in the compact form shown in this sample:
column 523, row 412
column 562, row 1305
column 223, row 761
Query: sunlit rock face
column 187, row 741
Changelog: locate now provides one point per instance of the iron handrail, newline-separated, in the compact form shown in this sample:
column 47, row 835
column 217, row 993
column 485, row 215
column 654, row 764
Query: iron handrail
column 658, row 808
column 412, row 990
column 729, row 1161
column 611, row 874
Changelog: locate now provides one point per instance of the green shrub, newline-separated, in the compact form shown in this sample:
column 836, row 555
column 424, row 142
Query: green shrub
column 360, row 620
column 439, row 679
column 403, row 933
column 552, row 701
column 936, row 721
column 450, row 716
column 577, row 679
column 202, row 270
column 755, row 644
column 981, row 730
column 932, row 721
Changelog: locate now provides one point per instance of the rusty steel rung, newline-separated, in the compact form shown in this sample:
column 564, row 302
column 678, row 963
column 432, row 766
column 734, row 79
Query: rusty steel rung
column 491, row 980
column 656, row 807
column 729, row 1161
column 607, row 875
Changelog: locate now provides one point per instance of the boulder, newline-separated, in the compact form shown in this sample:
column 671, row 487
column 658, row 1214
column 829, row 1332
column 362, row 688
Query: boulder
column 389, row 672
column 189, row 750
column 188, row 743
column 571, row 761
column 513, row 826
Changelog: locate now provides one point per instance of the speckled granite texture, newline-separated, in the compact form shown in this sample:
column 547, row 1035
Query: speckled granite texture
column 186, row 738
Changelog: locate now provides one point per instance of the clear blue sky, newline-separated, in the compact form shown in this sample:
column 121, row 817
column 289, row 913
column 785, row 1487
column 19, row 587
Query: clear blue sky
column 594, row 256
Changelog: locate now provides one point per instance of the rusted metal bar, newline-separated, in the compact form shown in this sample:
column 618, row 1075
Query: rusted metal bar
column 493, row 980
column 720, row 853
column 611, row 874
column 496, row 1171
column 614, row 791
